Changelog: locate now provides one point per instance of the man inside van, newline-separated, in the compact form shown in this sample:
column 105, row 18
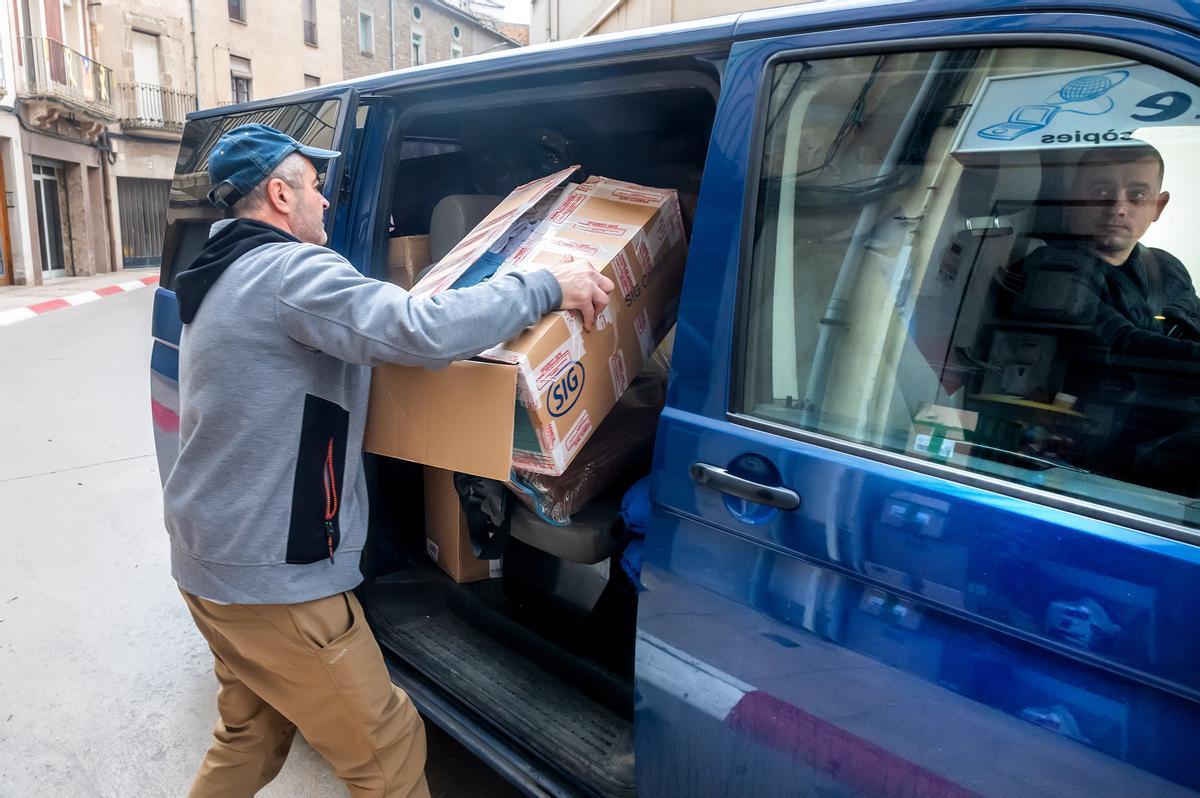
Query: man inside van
column 266, row 506
column 1139, row 303
column 1145, row 303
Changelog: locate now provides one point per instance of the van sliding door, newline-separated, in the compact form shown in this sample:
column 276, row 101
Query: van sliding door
column 923, row 524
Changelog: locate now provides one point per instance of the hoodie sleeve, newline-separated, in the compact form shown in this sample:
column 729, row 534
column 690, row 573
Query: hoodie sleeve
column 325, row 304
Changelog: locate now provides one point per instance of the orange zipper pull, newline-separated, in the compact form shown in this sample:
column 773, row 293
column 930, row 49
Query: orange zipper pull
column 329, row 539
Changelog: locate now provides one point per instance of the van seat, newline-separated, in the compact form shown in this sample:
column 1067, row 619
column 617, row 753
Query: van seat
column 588, row 539
column 453, row 217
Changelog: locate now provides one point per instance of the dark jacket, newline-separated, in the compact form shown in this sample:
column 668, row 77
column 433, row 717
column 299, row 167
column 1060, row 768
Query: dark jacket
column 1146, row 307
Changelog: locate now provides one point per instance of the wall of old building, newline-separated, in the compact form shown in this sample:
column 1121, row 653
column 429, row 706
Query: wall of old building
column 552, row 20
column 272, row 39
column 436, row 24
column 119, row 144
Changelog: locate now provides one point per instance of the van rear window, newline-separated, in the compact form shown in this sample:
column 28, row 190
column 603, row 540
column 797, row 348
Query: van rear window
column 189, row 214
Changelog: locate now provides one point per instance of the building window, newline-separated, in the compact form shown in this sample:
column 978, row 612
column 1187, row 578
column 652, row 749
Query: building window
column 366, row 33
column 310, row 22
column 239, row 78
column 456, row 51
column 418, row 48
column 237, row 10
column 311, row 81
column 456, row 32
column 417, row 13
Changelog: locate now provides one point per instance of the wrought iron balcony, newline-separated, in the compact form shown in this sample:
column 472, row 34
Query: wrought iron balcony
column 52, row 71
column 148, row 106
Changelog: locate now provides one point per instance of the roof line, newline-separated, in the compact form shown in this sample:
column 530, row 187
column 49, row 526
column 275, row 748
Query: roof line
column 480, row 22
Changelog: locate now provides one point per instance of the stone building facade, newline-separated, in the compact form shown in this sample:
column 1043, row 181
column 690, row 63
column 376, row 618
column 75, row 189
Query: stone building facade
column 382, row 35
column 94, row 96
column 56, row 153
column 552, row 20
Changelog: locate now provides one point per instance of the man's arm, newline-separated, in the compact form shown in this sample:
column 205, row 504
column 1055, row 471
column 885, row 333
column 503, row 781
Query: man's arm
column 1123, row 337
column 325, row 304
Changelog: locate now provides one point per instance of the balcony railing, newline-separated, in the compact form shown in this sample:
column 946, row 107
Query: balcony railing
column 51, row 70
column 152, row 107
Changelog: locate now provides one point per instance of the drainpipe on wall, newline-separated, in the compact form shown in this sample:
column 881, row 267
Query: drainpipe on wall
column 112, row 213
column 195, row 56
column 392, row 34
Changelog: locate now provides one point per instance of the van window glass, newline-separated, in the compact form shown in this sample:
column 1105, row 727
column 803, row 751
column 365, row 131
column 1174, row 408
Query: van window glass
column 189, row 214
column 988, row 259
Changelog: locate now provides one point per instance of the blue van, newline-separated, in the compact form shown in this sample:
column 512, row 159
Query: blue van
column 925, row 496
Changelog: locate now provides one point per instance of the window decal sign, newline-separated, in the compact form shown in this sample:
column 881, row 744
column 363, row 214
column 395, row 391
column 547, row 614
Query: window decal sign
column 1105, row 105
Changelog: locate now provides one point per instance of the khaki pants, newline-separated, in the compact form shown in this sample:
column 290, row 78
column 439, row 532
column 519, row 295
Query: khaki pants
column 313, row 666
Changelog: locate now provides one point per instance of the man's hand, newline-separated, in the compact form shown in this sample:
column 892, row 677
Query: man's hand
column 583, row 289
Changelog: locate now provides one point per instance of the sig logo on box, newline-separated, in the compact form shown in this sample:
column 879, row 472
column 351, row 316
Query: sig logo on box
column 564, row 393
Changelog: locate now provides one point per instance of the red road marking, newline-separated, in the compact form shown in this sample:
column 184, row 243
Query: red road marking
column 866, row 768
column 53, row 304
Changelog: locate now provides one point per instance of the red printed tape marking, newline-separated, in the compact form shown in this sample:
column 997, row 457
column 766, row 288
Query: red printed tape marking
column 551, row 367
column 644, row 256
column 576, row 246
column 624, row 274
column 616, row 366
column 642, row 197
column 602, row 228
column 548, row 436
column 579, row 432
column 569, row 205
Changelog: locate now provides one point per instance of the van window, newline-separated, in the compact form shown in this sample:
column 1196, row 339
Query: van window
column 189, row 214
column 985, row 258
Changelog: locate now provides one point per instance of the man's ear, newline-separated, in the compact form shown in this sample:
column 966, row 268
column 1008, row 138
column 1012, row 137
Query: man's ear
column 1163, row 198
column 279, row 195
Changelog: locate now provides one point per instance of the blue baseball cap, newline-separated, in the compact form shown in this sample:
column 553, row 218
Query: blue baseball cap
column 245, row 155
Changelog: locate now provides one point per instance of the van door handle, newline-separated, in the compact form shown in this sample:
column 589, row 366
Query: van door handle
column 722, row 481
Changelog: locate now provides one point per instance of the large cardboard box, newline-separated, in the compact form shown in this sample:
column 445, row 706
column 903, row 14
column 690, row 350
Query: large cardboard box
column 533, row 402
column 446, row 538
column 407, row 256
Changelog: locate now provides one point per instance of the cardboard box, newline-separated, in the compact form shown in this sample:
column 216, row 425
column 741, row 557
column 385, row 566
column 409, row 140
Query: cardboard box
column 937, row 429
column 407, row 256
column 533, row 402
column 446, row 538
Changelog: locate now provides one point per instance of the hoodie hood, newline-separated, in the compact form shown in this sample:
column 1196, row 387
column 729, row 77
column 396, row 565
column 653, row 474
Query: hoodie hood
column 229, row 241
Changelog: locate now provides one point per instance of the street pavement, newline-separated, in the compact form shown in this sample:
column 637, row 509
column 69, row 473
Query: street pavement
column 106, row 687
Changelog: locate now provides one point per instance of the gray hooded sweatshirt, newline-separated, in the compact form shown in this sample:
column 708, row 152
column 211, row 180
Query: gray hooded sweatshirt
column 266, row 503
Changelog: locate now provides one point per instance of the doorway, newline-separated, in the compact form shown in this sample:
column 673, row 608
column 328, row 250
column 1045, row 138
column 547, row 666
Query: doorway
column 146, row 77
column 6, row 276
column 53, row 216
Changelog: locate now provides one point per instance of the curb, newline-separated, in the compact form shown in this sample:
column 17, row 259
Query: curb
column 29, row 311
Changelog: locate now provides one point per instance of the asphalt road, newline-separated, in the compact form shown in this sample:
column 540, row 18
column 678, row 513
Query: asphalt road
column 106, row 687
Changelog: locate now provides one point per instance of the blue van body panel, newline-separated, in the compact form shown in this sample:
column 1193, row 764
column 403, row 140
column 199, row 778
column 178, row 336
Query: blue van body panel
column 165, row 324
column 901, row 632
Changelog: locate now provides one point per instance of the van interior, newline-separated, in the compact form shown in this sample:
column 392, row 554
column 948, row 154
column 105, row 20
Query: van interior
column 544, row 653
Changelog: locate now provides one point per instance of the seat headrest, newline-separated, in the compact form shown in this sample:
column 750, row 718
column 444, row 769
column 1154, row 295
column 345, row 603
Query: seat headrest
column 453, row 217
column 1002, row 188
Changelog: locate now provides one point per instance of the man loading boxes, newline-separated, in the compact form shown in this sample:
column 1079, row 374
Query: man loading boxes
column 268, row 473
